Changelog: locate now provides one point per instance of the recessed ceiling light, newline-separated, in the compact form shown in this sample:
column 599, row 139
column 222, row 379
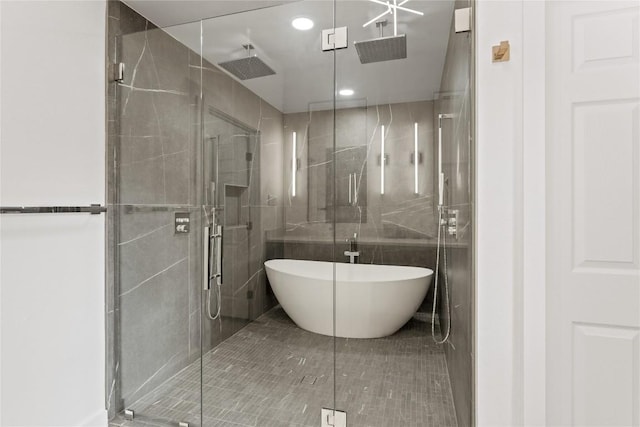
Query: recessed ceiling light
column 346, row 92
column 302, row 24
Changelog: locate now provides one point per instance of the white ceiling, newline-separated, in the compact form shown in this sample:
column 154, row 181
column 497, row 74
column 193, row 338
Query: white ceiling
column 304, row 74
column 164, row 13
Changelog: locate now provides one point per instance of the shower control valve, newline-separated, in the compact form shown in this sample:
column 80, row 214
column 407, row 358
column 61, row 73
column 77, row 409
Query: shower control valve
column 452, row 219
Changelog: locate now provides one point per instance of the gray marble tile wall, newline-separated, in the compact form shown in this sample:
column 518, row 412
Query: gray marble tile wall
column 150, row 145
column 400, row 208
column 112, row 317
column 456, row 98
column 409, row 253
column 400, row 212
column 154, row 280
column 245, row 293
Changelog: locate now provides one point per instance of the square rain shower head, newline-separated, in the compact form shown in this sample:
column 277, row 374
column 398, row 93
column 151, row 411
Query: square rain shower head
column 247, row 68
column 382, row 49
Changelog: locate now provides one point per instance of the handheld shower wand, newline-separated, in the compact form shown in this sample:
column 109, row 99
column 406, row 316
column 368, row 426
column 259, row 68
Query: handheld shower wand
column 441, row 223
column 212, row 242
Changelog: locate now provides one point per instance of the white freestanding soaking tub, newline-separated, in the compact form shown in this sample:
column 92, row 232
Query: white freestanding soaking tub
column 371, row 300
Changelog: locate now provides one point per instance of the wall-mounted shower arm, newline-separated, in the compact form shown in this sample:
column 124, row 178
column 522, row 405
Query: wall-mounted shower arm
column 376, row 18
column 442, row 117
column 395, row 17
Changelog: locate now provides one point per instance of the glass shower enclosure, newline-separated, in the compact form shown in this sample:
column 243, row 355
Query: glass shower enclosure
column 233, row 141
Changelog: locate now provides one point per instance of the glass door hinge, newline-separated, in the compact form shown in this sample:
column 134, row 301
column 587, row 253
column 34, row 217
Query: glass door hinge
column 333, row 418
column 118, row 72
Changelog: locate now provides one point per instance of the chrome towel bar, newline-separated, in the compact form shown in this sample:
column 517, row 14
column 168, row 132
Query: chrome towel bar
column 92, row 209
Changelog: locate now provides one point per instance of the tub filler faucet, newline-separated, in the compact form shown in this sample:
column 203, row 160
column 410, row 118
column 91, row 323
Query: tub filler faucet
column 353, row 253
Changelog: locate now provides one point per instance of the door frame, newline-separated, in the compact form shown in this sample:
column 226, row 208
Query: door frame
column 510, row 350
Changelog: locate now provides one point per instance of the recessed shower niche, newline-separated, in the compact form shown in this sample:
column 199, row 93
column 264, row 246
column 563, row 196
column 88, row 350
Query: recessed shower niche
column 234, row 147
column 232, row 162
column 236, row 205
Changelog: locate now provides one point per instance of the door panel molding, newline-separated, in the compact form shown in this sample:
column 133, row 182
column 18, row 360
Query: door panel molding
column 593, row 213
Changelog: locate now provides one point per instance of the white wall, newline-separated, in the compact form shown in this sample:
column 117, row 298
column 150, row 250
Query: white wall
column 52, row 152
column 510, row 309
column 533, row 243
column 498, row 136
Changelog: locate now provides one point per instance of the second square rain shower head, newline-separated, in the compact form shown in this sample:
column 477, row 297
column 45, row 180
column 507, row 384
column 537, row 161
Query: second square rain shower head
column 250, row 67
column 382, row 48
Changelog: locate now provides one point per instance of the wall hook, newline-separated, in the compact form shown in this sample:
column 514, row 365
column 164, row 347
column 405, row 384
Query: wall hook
column 500, row 53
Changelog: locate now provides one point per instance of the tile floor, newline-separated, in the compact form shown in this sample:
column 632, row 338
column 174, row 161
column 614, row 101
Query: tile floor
column 274, row 374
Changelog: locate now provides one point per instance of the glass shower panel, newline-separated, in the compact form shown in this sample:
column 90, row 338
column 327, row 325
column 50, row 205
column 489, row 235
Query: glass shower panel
column 231, row 185
column 154, row 226
column 389, row 368
column 453, row 104
column 260, row 77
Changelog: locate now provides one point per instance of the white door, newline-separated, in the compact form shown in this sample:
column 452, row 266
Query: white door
column 593, row 213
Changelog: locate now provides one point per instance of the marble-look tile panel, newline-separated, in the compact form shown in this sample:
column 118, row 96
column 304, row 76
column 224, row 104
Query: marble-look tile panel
column 177, row 178
column 144, row 257
column 400, row 208
column 155, row 331
column 400, row 205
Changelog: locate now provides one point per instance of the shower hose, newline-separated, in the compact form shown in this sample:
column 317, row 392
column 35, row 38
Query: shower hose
column 446, row 283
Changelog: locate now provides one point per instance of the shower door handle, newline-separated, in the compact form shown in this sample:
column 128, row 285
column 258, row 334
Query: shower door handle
column 350, row 185
column 206, row 241
column 217, row 236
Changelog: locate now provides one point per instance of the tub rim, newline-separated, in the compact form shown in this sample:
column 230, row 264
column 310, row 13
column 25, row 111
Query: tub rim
column 426, row 272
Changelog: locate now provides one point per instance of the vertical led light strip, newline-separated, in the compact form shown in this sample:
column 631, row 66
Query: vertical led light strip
column 415, row 158
column 294, row 165
column 440, row 176
column 382, row 160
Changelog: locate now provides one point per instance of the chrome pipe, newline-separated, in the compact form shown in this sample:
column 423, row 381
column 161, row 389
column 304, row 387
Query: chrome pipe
column 93, row 209
column 440, row 172
column 206, row 285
